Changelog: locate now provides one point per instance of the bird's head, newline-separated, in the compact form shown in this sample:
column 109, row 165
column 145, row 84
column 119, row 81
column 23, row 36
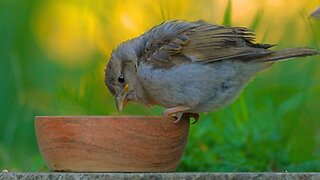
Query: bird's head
column 121, row 75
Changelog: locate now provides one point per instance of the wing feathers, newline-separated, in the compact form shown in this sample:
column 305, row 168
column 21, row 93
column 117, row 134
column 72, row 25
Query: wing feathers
column 177, row 42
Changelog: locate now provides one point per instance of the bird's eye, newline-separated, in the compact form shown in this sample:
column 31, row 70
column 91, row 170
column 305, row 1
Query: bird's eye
column 121, row 79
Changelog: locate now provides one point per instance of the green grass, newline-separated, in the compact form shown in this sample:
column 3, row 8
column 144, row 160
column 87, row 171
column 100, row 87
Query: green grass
column 272, row 126
column 228, row 14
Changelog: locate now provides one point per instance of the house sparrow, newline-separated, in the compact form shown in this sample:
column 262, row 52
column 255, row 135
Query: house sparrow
column 316, row 13
column 189, row 67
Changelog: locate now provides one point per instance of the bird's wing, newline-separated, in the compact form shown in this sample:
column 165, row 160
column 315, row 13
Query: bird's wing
column 177, row 42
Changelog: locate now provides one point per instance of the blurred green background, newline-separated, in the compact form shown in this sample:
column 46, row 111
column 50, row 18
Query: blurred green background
column 52, row 59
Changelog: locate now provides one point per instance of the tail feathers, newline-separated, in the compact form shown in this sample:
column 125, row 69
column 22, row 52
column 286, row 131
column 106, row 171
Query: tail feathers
column 289, row 53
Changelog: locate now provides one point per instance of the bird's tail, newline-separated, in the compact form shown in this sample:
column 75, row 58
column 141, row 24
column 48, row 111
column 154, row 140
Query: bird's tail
column 288, row 53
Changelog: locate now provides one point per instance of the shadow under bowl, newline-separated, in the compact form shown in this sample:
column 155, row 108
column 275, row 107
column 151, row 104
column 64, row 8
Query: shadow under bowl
column 111, row 143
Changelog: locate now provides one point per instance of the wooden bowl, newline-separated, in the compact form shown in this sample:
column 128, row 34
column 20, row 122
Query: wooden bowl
column 111, row 143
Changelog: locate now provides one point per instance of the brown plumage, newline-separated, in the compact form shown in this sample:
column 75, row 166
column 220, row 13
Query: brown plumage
column 189, row 67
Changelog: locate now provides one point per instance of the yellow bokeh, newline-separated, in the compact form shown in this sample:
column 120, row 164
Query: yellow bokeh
column 66, row 31
column 70, row 32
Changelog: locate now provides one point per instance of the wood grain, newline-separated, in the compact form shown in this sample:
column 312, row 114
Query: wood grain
column 111, row 143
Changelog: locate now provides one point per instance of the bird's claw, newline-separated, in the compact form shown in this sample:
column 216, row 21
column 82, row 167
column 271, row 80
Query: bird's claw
column 177, row 116
column 176, row 112
column 180, row 115
column 195, row 116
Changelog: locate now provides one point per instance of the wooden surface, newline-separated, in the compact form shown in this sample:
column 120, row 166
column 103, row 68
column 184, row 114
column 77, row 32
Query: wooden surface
column 111, row 144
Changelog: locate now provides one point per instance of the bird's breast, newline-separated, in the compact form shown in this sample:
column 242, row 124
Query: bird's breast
column 202, row 87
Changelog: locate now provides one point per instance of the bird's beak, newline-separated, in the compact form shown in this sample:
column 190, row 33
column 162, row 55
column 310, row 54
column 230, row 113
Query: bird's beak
column 121, row 98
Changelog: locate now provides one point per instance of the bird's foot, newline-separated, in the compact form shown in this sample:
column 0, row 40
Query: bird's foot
column 178, row 117
column 176, row 112
column 195, row 116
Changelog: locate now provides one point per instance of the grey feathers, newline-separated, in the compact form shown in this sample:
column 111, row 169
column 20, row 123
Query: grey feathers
column 193, row 66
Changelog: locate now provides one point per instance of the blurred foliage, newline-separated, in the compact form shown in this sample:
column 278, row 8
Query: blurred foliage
column 52, row 59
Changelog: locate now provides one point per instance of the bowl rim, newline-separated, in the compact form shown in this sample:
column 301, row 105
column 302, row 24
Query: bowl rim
column 100, row 117
column 95, row 116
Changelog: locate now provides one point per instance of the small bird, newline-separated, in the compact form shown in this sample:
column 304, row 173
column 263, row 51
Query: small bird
column 189, row 67
column 316, row 13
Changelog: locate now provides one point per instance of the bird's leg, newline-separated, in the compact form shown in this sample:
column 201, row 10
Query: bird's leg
column 176, row 111
column 195, row 116
column 178, row 116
